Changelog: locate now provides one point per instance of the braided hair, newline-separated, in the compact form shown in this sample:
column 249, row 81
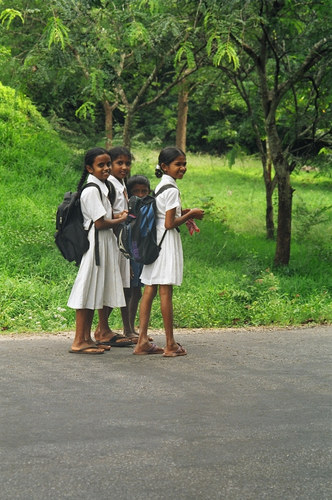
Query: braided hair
column 88, row 161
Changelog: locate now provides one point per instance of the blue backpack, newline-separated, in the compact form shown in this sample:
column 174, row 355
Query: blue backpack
column 137, row 236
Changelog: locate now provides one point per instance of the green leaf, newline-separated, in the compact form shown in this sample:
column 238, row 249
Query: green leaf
column 56, row 32
column 8, row 16
column 186, row 52
column 87, row 109
column 225, row 49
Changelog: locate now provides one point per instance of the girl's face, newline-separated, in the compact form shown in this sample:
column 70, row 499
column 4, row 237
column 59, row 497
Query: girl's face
column 140, row 190
column 100, row 167
column 121, row 167
column 177, row 168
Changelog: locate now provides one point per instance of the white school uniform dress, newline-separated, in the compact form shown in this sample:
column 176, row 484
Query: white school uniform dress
column 97, row 286
column 168, row 268
column 120, row 204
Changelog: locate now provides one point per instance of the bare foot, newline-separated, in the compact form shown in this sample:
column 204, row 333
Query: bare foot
column 148, row 348
column 175, row 350
column 86, row 348
column 104, row 336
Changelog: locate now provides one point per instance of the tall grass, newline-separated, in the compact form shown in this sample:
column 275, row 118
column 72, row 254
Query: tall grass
column 229, row 279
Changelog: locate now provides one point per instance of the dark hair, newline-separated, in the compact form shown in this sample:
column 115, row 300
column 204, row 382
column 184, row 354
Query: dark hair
column 89, row 158
column 120, row 151
column 167, row 155
column 137, row 179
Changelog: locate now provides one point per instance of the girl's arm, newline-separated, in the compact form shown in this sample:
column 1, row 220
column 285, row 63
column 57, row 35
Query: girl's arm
column 103, row 223
column 171, row 221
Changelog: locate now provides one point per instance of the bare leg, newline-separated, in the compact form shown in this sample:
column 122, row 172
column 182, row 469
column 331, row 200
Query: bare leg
column 125, row 312
column 103, row 328
column 135, row 297
column 104, row 334
column 143, row 344
column 83, row 338
column 166, row 306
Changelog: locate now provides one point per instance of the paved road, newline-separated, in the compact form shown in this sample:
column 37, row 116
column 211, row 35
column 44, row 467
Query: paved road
column 246, row 415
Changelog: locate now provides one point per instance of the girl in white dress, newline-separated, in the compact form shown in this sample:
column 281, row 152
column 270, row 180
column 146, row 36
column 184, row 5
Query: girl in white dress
column 167, row 270
column 121, row 159
column 96, row 286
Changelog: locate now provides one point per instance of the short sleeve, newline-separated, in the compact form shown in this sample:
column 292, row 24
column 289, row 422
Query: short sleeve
column 172, row 200
column 168, row 200
column 91, row 205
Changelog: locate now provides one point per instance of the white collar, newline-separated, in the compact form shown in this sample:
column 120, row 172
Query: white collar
column 117, row 184
column 102, row 185
column 167, row 179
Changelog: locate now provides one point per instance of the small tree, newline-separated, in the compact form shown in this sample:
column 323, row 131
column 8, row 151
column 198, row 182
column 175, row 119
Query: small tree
column 107, row 55
column 279, row 43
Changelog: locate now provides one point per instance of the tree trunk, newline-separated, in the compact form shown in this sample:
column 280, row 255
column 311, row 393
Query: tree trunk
column 181, row 127
column 127, row 129
column 285, row 196
column 269, row 183
column 108, row 109
column 269, row 188
column 269, row 222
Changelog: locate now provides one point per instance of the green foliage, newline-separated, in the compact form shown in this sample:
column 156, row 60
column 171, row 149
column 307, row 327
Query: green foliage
column 56, row 32
column 7, row 16
column 87, row 109
column 307, row 218
column 186, row 52
column 228, row 275
column 70, row 56
column 228, row 278
column 221, row 49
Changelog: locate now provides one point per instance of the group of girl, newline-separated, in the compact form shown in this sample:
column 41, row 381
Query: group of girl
column 109, row 285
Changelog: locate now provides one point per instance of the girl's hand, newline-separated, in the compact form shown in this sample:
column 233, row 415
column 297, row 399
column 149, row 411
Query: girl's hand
column 122, row 216
column 111, row 223
column 196, row 213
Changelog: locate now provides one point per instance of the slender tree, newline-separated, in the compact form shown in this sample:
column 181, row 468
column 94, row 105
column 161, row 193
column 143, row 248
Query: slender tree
column 280, row 44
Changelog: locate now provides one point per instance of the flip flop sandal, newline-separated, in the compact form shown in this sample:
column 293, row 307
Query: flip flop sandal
column 92, row 349
column 117, row 341
column 153, row 349
column 134, row 338
column 105, row 347
column 179, row 352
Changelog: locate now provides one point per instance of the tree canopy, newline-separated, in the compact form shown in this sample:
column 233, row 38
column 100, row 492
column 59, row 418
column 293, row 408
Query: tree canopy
column 255, row 76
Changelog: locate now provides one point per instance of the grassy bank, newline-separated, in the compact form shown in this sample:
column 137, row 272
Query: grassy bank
column 228, row 280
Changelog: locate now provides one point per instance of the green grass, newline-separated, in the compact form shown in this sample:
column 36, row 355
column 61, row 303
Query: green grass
column 228, row 278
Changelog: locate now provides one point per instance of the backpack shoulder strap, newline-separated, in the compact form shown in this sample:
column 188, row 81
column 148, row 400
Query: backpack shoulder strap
column 89, row 184
column 111, row 192
column 163, row 188
column 97, row 257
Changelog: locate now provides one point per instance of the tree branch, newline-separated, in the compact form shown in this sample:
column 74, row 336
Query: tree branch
column 317, row 52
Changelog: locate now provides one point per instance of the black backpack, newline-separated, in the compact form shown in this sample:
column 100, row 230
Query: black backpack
column 137, row 236
column 71, row 238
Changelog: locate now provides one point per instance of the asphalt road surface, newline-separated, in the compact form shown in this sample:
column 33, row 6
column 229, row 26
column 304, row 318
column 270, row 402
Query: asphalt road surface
column 245, row 415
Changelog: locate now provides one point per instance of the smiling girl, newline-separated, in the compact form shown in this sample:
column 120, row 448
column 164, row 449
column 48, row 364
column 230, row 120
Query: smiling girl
column 96, row 286
column 121, row 159
column 167, row 270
